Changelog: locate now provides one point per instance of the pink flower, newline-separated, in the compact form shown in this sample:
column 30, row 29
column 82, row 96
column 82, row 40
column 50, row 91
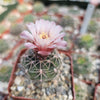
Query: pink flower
column 44, row 36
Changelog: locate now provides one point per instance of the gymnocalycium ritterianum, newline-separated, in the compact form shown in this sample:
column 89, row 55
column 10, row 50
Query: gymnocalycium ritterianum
column 41, row 61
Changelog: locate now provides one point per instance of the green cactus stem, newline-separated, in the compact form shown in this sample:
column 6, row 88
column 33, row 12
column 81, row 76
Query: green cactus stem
column 67, row 21
column 53, row 8
column 38, row 68
column 29, row 18
column 22, row 8
column 93, row 27
column 82, row 65
column 16, row 29
column 86, row 41
column 46, row 17
column 38, row 7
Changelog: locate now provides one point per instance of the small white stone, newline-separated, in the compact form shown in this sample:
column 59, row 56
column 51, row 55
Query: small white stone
column 17, row 81
column 20, row 88
column 13, row 88
column 70, row 97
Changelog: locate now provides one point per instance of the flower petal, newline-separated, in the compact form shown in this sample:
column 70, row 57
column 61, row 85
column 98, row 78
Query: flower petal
column 26, row 35
column 44, row 53
column 30, row 45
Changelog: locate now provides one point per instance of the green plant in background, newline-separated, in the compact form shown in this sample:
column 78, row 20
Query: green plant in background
column 22, row 8
column 46, row 17
column 93, row 27
column 3, row 45
column 12, row 18
column 40, row 68
column 38, row 7
column 2, row 29
column 29, row 18
column 82, row 65
column 53, row 8
column 74, row 11
column 96, row 14
column 86, row 41
column 80, row 92
column 67, row 21
column 16, row 29
column 5, row 73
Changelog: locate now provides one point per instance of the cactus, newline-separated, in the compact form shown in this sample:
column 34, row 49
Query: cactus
column 46, row 17
column 67, row 21
column 12, row 18
column 86, row 41
column 39, row 68
column 3, row 46
column 82, row 65
column 53, row 8
column 93, row 27
column 96, row 14
column 29, row 18
column 16, row 29
column 74, row 10
column 38, row 7
column 5, row 73
column 2, row 29
column 22, row 8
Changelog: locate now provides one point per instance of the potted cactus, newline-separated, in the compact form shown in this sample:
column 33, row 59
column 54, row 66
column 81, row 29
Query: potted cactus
column 85, row 41
column 39, row 8
column 93, row 27
column 42, row 71
column 84, row 69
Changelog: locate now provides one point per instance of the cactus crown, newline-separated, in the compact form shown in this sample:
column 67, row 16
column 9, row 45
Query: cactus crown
column 38, row 7
column 87, row 38
column 67, row 21
column 39, row 68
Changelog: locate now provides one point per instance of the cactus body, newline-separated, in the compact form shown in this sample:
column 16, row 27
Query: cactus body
column 39, row 68
column 16, row 29
column 38, row 7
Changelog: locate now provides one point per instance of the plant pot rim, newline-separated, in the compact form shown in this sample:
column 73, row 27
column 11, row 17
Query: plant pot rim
column 15, row 68
column 98, row 85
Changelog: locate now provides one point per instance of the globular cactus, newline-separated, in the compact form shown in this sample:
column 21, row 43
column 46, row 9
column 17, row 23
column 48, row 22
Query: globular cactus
column 46, row 17
column 12, row 18
column 5, row 72
column 93, row 27
column 86, row 41
column 96, row 14
column 82, row 65
column 67, row 21
column 74, row 10
column 38, row 7
column 22, row 8
column 3, row 45
column 53, row 8
column 39, row 68
column 16, row 29
column 29, row 18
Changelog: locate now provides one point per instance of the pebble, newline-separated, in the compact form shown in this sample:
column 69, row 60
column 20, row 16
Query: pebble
column 17, row 80
column 20, row 88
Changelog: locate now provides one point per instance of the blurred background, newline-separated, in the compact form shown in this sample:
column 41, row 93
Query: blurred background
column 80, row 20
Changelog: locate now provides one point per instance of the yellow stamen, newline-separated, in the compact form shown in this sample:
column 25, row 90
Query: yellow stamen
column 43, row 36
